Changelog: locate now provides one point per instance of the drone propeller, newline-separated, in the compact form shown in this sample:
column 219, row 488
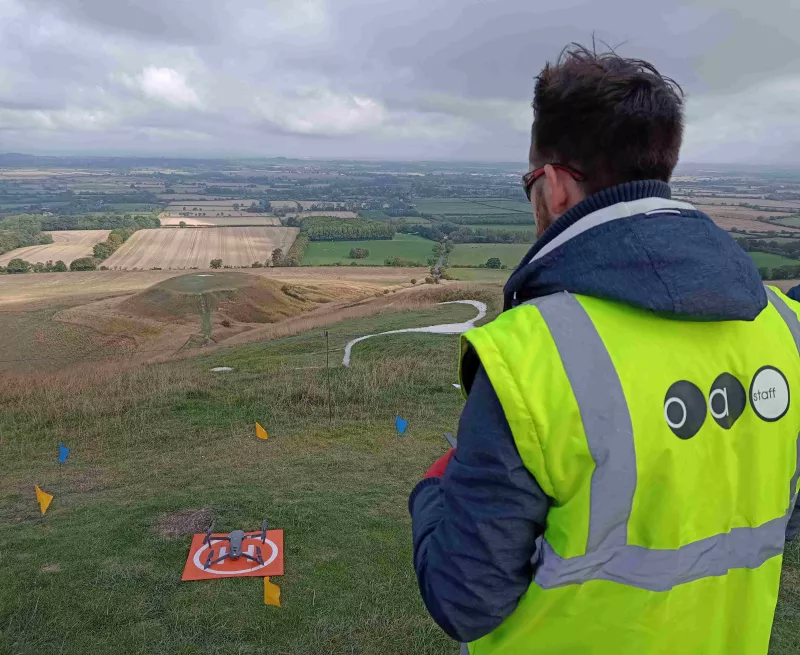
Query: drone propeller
column 264, row 531
column 208, row 560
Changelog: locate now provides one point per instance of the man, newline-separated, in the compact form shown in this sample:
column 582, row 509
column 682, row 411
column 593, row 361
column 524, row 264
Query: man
column 627, row 459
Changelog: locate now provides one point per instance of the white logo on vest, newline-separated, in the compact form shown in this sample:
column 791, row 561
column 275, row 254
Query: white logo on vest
column 769, row 394
column 685, row 408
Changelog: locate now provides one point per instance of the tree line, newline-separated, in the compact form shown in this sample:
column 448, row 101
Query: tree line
column 461, row 234
column 20, row 231
column 98, row 222
column 780, row 272
column 326, row 228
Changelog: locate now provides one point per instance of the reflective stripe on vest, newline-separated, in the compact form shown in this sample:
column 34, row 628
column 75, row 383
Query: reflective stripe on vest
column 609, row 433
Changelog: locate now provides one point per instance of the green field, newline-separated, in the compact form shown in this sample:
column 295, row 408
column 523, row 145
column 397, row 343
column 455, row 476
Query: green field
column 480, row 274
column 790, row 221
column 131, row 207
column 444, row 206
column 509, row 254
column 100, row 572
column 405, row 246
column 529, row 229
column 771, row 260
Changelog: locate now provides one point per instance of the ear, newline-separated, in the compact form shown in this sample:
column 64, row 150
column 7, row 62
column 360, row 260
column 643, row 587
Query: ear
column 562, row 192
column 556, row 193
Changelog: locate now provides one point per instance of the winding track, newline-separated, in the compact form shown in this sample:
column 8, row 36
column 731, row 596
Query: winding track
column 445, row 328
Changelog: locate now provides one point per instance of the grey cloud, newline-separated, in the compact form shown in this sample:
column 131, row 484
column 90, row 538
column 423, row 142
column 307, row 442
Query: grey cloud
column 373, row 78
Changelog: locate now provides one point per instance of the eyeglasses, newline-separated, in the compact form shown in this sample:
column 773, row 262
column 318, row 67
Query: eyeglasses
column 529, row 179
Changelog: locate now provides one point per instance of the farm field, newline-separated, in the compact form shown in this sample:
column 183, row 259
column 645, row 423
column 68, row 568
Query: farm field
column 528, row 228
column 509, row 254
column 701, row 201
column 238, row 219
column 480, row 274
column 181, row 249
column 325, row 212
column 771, row 260
column 404, row 246
column 205, row 205
column 791, row 221
column 130, row 207
column 444, row 206
column 67, row 246
column 729, row 220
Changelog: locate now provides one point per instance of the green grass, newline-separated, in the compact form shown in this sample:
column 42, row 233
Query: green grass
column 529, row 229
column 790, row 221
column 92, row 576
column 771, row 260
column 509, row 254
column 466, row 206
column 480, row 274
column 405, row 246
column 131, row 207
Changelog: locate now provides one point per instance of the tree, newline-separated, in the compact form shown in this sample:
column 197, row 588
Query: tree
column 277, row 257
column 493, row 262
column 84, row 264
column 60, row 267
column 764, row 272
column 236, row 206
column 359, row 253
column 102, row 251
column 216, row 263
column 182, row 224
column 18, row 266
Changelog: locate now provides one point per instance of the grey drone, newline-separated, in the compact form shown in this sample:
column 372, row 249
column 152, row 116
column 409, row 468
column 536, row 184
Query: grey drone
column 235, row 539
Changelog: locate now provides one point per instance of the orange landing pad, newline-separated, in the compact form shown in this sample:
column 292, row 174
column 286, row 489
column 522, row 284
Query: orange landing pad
column 271, row 553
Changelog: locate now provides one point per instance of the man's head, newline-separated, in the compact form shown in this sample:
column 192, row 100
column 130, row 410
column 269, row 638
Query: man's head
column 606, row 120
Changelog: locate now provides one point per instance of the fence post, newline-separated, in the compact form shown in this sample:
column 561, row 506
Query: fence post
column 328, row 377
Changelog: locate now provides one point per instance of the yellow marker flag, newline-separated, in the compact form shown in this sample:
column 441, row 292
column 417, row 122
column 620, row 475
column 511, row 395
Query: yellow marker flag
column 43, row 498
column 272, row 593
column 261, row 433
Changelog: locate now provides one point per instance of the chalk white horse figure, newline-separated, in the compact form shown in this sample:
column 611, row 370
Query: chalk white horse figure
column 446, row 328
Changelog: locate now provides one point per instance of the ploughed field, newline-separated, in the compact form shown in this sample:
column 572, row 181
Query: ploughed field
column 67, row 246
column 195, row 248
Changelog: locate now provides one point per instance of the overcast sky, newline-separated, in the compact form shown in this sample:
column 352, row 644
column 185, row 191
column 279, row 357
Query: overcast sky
column 410, row 79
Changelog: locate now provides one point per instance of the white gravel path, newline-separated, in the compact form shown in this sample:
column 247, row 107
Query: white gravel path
column 447, row 328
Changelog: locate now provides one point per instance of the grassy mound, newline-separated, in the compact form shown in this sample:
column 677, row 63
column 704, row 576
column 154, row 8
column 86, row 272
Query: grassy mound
column 224, row 296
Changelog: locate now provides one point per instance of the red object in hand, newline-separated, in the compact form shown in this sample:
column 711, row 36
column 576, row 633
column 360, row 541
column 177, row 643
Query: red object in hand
column 437, row 470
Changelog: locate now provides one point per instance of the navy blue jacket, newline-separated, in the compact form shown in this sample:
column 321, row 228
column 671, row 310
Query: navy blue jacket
column 475, row 530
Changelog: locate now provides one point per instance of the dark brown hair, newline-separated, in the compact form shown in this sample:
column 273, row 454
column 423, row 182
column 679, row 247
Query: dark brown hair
column 614, row 119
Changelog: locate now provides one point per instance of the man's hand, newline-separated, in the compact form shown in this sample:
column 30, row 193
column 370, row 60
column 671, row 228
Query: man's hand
column 439, row 466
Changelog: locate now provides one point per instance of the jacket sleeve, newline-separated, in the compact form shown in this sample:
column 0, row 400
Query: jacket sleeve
column 475, row 529
column 793, row 529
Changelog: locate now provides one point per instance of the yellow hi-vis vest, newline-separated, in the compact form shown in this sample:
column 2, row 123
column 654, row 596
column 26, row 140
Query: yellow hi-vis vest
column 670, row 451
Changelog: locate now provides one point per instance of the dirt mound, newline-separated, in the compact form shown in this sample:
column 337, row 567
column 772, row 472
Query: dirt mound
column 185, row 522
column 238, row 297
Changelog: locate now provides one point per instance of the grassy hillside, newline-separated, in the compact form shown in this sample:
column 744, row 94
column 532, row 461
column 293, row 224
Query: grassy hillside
column 156, row 450
column 97, row 573
column 405, row 246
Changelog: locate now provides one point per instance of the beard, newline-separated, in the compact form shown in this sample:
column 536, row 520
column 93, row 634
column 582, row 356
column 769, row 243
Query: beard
column 542, row 216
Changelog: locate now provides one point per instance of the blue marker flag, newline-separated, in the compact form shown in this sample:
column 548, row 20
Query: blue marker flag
column 401, row 425
column 63, row 453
